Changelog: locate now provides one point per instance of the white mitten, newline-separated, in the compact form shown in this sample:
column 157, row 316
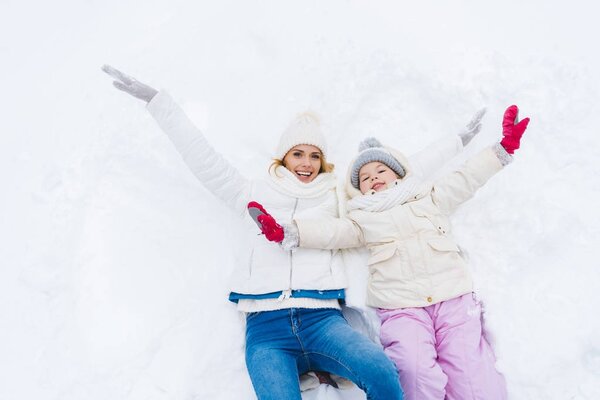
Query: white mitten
column 291, row 237
column 129, row 85
column 472, row 128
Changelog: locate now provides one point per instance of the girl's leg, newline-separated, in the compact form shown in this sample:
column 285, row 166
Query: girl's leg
column 464, row 354
column 272, row 356
column 408, row 338
column 333, row 346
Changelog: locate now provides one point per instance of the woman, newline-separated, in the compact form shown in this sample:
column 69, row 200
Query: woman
column 291, row 299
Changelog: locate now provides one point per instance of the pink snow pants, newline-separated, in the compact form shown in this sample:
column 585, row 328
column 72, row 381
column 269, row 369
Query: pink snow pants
column 440, row 351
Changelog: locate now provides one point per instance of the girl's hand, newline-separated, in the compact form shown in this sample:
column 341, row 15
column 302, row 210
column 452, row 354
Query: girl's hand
column 129, row 85
column 267, row 224
column 512, row 129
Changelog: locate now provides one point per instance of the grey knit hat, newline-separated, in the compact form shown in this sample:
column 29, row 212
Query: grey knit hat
column 371, row 150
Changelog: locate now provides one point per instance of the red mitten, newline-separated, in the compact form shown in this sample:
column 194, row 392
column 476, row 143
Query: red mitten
column 512, row 129
column 267, row 224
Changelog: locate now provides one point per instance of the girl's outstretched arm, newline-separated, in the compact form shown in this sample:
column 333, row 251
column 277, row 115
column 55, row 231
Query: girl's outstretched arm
column 459, row 186
column 329, row 233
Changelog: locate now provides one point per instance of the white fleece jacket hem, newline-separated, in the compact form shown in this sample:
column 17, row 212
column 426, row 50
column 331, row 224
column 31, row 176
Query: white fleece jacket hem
column 249, row 305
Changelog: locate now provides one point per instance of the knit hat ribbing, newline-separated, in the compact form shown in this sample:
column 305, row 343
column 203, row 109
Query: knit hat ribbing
column 304, row 129
column 371, row 150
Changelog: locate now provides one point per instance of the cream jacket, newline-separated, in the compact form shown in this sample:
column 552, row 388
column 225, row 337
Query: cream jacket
column 414, row 260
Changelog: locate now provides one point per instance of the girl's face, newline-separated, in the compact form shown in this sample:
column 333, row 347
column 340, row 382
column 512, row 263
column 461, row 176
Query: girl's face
column 304, row 161
column 375, row 176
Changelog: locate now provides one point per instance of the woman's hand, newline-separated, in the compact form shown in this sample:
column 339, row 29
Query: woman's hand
column 129, row 85
column 472, row 128
column 512, row 129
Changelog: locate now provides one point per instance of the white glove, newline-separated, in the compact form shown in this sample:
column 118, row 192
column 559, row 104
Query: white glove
column 291, row 237
column 472, row 128
column 129, row 85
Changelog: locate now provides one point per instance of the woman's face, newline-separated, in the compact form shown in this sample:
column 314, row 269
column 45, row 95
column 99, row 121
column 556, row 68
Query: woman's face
column 304, row 161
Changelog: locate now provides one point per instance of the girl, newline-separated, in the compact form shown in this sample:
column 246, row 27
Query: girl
column 418, row 280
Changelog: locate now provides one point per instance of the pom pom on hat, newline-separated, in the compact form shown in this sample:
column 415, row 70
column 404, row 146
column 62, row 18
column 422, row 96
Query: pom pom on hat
column 304, row 129
column 371, row 150
column 368, row 143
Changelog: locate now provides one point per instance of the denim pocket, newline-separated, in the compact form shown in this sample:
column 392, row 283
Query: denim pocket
column 251, row 315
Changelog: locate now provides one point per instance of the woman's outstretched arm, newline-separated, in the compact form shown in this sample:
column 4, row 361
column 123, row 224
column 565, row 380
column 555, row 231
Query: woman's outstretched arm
column 210, row 167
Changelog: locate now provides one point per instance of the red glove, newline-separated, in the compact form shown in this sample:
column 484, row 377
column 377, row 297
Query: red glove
column 267, row 224
column 512, row 130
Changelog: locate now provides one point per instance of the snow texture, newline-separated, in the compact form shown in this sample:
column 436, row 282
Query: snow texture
column 114, row 260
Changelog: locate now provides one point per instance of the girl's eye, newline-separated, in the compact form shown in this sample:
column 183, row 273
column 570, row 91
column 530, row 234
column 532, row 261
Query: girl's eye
column 316, row 157
column 297, row 154
column 381, row 171
column 365, row 178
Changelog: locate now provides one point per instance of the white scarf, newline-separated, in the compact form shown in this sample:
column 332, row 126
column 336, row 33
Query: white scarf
column 284, row 181
column 403, row 190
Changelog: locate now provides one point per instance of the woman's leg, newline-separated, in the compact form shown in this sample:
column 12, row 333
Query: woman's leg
column 333, row 346
column 464, row 354
column 408, row 338
column 272, row 356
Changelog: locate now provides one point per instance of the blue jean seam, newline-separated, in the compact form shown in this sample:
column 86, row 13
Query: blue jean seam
column 304, row 353
column 337, row 361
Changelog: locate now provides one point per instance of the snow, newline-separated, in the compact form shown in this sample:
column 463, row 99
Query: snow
column 114, row 260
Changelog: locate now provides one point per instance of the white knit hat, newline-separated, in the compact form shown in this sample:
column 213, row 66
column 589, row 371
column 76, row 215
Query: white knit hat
column 304, row 129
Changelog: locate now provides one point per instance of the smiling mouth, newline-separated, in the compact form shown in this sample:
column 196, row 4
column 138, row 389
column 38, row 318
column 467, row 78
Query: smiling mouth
column 304, row 173
column 377, row 186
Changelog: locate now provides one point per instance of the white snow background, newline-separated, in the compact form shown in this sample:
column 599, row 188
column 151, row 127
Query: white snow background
column 114, row 260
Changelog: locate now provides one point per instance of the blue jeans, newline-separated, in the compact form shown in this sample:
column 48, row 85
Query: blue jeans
column 283, row 344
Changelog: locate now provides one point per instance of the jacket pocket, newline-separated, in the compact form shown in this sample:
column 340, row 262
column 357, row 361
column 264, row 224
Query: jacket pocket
column 381, row 253
column 427, row 216
column 423, row 207
column 443, row 244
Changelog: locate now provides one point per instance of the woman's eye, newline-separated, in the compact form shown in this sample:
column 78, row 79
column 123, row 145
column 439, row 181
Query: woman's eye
column 316, row 157
column 297, row 154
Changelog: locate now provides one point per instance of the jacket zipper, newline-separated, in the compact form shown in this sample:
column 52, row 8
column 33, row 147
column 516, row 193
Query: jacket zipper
column 286, row 294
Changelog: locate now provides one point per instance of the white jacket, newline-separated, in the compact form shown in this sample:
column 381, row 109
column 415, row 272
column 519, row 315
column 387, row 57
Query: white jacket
column 263, row 267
